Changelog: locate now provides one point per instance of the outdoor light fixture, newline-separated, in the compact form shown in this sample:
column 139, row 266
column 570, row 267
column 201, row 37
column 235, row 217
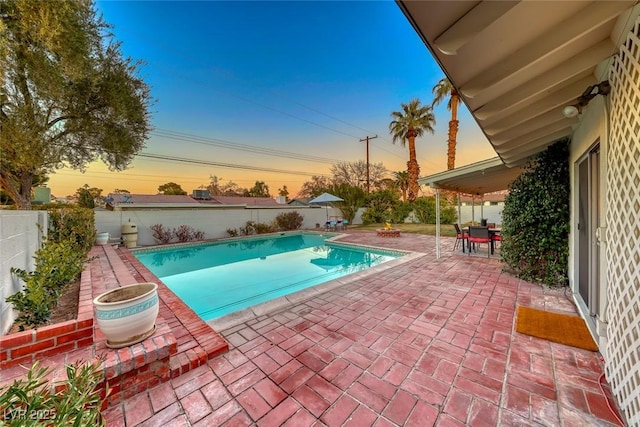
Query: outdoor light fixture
column 603, row 88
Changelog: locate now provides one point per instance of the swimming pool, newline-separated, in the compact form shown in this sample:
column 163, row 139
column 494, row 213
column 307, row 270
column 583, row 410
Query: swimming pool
column 216, row 279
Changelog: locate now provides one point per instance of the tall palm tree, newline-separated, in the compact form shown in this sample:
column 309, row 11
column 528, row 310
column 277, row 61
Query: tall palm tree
column 402, row 182
column 411, row 122
column 442, row 90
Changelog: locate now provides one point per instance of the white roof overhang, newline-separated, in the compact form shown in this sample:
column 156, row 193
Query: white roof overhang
column 477, row 178
column 517, row 64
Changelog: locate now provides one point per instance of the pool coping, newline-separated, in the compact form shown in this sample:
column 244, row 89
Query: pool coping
column 286, row 301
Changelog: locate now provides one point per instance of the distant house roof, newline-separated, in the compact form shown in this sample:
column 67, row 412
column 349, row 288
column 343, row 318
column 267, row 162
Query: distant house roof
column 300, row 201
column 125, row 198
column 489, row 197
column 249, row 201
column 176, row 201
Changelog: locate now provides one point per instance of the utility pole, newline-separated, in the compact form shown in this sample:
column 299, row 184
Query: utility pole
column 367, row 140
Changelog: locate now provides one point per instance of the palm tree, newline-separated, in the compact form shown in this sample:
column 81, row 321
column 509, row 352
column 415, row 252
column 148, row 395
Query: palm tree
column 406, row 125
column 441, row 90
column 402, row 182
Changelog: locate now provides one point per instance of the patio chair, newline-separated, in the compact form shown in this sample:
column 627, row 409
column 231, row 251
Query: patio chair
column 478, row 235
column 460, row 237
column 497, row 238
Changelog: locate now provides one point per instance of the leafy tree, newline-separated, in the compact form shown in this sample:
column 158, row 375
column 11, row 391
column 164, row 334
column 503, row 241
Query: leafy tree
column 217, row 188
column 380, row 207
column 355, row 173
column 283, row 192
column 121, row 191
column 411, row 122
column 425, row 210
column 85, row 199
column 89, row 197
column 171, row 188
column 441, row 90
column 316, row 186
column 67, row 97
column 353, row 198
column 535, row 219
column 259, row 189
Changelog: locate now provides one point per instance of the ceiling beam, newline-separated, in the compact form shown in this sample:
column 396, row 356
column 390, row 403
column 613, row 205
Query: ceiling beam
column 471, row 24
column 560, row 98
column 542, row 122
column 578, row 64
column 519, row 146
column 589, row 19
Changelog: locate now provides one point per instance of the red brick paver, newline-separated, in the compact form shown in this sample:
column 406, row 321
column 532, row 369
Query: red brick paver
column 427, row 342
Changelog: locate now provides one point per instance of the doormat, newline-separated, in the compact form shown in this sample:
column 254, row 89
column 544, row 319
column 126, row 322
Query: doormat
column 561, row 328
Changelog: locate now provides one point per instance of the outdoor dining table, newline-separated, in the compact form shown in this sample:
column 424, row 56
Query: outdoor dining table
column 492, row 232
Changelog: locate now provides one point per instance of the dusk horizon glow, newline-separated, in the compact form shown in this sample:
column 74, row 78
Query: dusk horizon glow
column 239, row 83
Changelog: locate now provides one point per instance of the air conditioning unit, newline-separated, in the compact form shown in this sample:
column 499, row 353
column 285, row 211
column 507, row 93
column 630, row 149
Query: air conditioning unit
column 201, row 194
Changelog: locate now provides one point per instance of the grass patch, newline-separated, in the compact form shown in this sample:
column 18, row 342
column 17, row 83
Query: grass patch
column 430, row 229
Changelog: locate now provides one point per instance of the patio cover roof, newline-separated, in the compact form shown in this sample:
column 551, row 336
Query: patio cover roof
column 517, row 64
column 477, row 178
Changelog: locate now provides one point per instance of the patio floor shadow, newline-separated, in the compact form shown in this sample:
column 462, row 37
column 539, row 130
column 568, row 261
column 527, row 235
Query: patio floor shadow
column 427, row 342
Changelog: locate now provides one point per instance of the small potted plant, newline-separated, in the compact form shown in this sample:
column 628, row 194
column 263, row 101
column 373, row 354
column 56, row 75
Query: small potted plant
column 127, row 315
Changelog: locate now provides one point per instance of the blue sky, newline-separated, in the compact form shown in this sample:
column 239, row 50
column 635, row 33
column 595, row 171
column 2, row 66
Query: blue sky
column 306, row 77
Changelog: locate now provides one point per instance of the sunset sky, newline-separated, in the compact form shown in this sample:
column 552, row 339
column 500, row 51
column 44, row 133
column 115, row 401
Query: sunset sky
column 239, row 83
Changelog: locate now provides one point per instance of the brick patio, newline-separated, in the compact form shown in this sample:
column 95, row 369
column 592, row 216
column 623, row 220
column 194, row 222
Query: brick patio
column 428, row 342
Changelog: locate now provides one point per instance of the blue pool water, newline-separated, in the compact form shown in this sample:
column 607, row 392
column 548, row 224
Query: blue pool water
column 220, row 278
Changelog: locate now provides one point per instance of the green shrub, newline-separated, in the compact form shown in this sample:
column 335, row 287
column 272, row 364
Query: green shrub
column 232, row 232
column 425, row 210
column 262, row 228
column 73, row 223
column 186, row 233
column 29, row 402
column 380, row 206
column 535, row 219
column 56, row 265
column 289, row 221
column 162, row 235
column 400, row 212
column 252, row 227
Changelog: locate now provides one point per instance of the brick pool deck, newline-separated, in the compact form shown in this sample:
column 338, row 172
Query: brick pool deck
column 427, row 342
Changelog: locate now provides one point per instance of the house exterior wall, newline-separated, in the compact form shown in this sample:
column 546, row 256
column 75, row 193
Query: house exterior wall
column 19, row 240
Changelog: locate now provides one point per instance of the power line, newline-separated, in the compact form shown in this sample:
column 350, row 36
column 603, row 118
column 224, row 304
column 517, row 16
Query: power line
column 225, row 165
column 251, row 101
column 226, row 74
column 165, row 133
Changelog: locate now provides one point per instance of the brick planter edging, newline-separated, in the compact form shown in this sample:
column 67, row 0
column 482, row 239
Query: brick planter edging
column 126, row 371
column 28, row 346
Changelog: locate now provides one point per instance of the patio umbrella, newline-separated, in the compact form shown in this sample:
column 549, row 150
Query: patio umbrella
column 324, row 199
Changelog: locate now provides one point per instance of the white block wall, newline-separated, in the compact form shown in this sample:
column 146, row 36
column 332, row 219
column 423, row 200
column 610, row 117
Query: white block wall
column 213, row 222
column 19, row 240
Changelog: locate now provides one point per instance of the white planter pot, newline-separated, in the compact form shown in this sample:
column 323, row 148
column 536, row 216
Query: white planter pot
column 102, row 238
column 127, row 315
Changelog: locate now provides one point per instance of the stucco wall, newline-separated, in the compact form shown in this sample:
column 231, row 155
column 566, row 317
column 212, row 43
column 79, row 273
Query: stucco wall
column 19, row 239
column 213, row 222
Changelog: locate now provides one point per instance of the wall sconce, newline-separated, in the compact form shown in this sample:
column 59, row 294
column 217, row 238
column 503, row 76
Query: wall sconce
column 603, row 88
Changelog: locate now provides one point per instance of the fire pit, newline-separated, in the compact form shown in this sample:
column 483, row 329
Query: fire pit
column 388, row 231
